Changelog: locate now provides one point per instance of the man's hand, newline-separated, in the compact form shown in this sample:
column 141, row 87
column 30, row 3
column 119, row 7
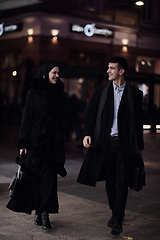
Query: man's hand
column 87, row 142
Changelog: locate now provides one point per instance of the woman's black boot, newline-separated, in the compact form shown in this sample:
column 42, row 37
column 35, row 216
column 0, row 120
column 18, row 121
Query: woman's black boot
column 38, row 220
column 45, row 220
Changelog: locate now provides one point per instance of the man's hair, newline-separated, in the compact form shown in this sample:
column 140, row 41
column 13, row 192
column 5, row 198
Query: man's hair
column 122, row 62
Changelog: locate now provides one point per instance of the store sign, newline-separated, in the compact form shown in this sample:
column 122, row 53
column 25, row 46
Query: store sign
column 90, row 29
column 10, row 28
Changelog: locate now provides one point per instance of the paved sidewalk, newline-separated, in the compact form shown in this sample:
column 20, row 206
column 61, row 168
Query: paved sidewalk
column 84, row 210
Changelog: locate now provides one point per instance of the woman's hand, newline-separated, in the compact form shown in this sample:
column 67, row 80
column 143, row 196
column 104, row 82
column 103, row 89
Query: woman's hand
column 21, row 150
column 87, row 142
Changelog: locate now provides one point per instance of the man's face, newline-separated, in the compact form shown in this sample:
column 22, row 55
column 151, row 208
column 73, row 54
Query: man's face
column 113, row 71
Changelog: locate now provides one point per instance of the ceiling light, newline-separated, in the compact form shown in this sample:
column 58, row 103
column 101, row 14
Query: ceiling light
column 30, row 31
column 143, row 62
column 54, row 32
column 80, row 80
column 14, row 73
column 125, row 41
column 139, row 3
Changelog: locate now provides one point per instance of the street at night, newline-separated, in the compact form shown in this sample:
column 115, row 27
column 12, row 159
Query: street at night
column 84, row 211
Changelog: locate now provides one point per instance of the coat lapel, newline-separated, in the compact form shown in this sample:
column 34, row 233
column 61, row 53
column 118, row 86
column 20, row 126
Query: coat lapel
column 97, row 130
column 124, row 98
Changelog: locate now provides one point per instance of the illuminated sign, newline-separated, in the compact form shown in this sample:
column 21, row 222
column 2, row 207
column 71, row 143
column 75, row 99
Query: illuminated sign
column 90, row 29
column 10, row 28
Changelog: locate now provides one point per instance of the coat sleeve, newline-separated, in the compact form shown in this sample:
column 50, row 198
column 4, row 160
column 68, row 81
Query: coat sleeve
column 63, row 124
column 91, row 112
column 138, row 109
column 27, row 121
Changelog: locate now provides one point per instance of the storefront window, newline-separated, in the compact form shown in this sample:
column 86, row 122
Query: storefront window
column 156, row 102
column 9, row 85
column 145, row 89
column 79, row 91
column 151, row 91
column 81, row 87
column 146, row 66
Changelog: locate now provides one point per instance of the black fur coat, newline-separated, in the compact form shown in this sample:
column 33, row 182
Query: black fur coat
column 43, row 127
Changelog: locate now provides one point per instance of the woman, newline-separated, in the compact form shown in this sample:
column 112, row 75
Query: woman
column 41, row 140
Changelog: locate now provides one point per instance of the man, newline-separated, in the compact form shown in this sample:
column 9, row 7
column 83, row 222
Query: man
column 113, row 131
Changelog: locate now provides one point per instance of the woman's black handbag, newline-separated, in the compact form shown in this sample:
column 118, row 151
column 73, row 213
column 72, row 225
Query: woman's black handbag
column 15, row 183
column 139, row 178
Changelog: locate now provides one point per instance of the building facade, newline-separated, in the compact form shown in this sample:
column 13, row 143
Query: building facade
column 80, row 37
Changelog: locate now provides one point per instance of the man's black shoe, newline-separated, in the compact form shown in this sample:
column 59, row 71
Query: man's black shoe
column 38, row 220
column 111, row 222
column 116, row 228
column 45, row 220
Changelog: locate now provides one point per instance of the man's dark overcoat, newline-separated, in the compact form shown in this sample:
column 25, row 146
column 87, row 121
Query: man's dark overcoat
column 91, row 170
column 42, row 134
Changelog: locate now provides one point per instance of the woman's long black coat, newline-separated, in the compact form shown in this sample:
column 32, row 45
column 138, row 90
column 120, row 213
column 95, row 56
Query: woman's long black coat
column 43, row 127
column 42, row 134
column 91, row 170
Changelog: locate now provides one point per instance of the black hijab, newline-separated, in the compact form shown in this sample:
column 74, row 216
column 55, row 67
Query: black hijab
column 43, row 75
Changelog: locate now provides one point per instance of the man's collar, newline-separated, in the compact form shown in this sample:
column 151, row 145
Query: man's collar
column 119, row 88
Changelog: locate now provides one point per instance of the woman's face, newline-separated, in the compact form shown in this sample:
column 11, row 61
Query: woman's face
column 54, row 75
